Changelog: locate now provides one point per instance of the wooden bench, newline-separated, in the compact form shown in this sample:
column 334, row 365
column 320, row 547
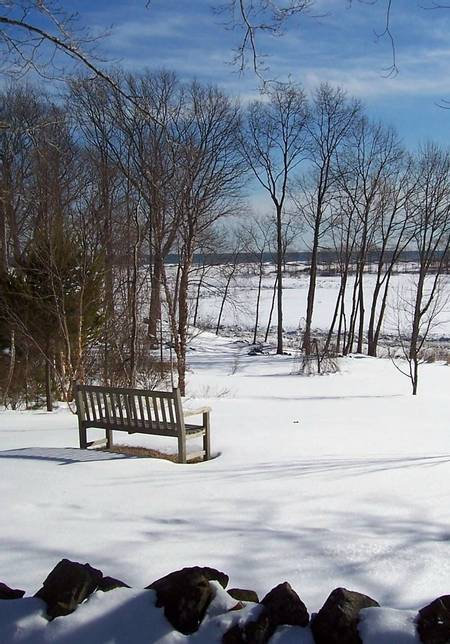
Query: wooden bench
column 139, row 411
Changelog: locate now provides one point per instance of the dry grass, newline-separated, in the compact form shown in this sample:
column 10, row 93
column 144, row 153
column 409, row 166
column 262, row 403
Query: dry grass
column 144, row 452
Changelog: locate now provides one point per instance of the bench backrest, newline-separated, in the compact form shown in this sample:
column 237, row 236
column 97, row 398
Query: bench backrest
column 123, row 407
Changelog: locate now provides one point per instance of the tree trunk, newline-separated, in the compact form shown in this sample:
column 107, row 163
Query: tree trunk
column 3, row 242
column 133, row 304
column 272, row 306
column 258, row 298
column 155, row 299
column 361, row 310
column 333, row 321
column 183, row 312
column 371, row 343
column 351, row 329
column 415, row 331
column 415, row 378
column 197, row 299
column 227, row 286
column 379, row 324
column 12, row 364
column 279, row 282
column 311, row 293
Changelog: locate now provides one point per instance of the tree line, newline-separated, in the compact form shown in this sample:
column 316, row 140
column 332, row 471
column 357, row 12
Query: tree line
column 96, row 190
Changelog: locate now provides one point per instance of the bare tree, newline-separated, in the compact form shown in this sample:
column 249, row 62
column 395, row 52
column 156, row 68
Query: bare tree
column 431, row 212
column 22, row 108
column 393, row 236
column 373, row 157
column 257, row 237
column 153, row 168
column 227, row 274
column 88, row 103
column 333, row 116
column 274, row 145
column 210, row 177
column 41, row 36
column 254, row 17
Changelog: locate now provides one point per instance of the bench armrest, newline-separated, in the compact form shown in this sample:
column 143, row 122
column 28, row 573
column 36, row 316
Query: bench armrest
column 196, row 412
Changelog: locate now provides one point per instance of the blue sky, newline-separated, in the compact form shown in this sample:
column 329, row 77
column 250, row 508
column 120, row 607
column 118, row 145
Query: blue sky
column 338, row 44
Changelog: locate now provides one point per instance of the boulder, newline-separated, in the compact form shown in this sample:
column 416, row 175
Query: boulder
column 215, row 575
column 258, row 632
column 186, row 594
column 284, row 606
column 109, row 583
column 280, row 606
column 244, row 595
column 433, row 622
column 68, row 584
column 337, row 620
column 10, row 593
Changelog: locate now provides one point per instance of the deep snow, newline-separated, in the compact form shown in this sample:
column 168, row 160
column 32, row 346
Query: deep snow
column 339, row 480
column 325, row 481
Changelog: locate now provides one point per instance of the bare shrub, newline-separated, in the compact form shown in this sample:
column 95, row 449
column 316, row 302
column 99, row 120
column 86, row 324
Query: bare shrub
column 324, row 360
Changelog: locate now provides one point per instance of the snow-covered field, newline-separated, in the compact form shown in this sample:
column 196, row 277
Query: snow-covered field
column 339, row 480
column 239, row 310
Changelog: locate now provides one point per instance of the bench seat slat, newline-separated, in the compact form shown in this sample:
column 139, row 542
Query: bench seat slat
column 144, row 428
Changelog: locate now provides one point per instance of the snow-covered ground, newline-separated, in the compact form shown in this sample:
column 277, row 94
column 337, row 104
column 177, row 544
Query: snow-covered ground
column 239, row 310
column 341, row 480
column 338, row 480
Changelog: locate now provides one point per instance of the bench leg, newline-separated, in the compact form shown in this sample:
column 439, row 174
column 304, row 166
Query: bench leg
column 109, row 438
column 206, row 437
column 83, row 436
column 182, row 449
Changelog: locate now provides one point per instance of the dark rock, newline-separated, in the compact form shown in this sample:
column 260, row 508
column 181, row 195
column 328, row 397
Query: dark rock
column 244, row 595
column 433, row 622
column 109, row 583
column 210, row 573
column 284, row 606
column 280, row 606
column 337, row 620
column 10, row 593
column 186, row 594
column 258, row 632
column 215, row 575
column 69, row 584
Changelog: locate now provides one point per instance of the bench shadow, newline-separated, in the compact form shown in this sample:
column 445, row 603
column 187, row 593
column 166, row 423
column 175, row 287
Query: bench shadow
column 71, row 455
column 63, row 456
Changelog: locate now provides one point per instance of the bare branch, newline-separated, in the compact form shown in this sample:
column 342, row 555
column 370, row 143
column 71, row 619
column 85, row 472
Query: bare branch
column 255, row 17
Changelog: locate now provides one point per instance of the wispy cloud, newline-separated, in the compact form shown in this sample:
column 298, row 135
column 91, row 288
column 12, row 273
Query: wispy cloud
column 338, row 45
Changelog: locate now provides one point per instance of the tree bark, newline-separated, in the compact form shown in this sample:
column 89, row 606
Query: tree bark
column 279, row 281
column 155, row 299
column 307, row 348
column 272, row 306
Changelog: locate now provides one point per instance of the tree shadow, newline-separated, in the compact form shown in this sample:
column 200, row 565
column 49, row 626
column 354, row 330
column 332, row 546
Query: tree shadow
column 348, row 466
